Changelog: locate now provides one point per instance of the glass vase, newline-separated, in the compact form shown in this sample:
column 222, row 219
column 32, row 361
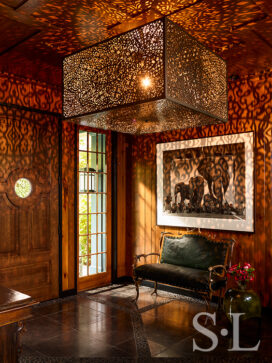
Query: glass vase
column 242, row 300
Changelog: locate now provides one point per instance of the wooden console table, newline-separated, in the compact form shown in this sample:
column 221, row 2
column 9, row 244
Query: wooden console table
column 14, row 308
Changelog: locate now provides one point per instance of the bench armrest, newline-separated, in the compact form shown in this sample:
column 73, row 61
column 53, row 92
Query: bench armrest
column 213, row 271
column 138, row 257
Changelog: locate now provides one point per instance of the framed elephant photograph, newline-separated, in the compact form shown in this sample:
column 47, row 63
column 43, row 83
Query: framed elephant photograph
column 206, row 183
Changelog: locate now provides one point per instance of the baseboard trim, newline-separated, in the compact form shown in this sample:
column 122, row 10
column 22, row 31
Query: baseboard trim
column 123, row 280
column 67, row 293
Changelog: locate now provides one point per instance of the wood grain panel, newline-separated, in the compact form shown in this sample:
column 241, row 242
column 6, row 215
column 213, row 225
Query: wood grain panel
column 68, row 206
column 9, row 229
column 249, row 110
column 39, row 233
column 19, row 276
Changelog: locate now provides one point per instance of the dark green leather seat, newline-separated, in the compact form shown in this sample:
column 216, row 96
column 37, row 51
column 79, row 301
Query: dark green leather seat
column 185, row 261
column 193, row 251
column 186, row 277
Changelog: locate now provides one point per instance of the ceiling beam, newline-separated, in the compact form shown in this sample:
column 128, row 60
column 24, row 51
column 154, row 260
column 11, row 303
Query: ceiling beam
column 20, row 17
column 9, row 13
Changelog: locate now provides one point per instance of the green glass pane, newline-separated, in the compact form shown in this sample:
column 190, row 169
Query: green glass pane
column 92, row 243
column 102, row 163
column 83, row 271
column 101, row 242
column 102, row 143
column 82, row 245
column 82, row 162
column 92, row 265
column 83, row 182
column 92, row 162
column 82, row 208
column 82, row 142
column 92, row 141
column 101, row 207
column 102, row 263
column 101, row 223
column 92, row 203
column 83, row 224
column 102, row 180
column 92, row 223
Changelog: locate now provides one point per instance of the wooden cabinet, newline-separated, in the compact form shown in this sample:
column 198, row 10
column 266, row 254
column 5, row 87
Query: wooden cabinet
column 14, row 308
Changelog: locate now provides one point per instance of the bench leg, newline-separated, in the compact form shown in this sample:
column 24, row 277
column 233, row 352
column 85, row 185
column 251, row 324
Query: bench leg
column 220, row 297
column 208, row 300
column 137, row 283
column 155, row 288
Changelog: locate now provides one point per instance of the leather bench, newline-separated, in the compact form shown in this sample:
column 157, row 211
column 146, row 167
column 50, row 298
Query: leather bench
column 190, row 261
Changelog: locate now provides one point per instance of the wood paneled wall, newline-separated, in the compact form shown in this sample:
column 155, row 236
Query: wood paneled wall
column 124, row 216
column 250, row 104
column 24, row 92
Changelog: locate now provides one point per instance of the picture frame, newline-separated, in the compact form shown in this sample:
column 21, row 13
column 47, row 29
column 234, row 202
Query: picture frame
column 207, row 183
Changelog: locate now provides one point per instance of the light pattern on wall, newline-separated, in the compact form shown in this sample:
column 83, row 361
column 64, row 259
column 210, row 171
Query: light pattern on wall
column 250, row 102
column 162, row 77
column 29, row 93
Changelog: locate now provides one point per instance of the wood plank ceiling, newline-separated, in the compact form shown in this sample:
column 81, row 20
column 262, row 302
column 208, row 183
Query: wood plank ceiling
column 35, row 35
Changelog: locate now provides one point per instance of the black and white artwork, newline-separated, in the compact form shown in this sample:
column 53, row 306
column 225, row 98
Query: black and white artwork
column 206, row 183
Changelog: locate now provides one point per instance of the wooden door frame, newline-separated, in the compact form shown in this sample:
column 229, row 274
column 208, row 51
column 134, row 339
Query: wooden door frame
column 72, row 291
column 104, row 278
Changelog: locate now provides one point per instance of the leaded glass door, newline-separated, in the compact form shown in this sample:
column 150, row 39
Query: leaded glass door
column 93, row 209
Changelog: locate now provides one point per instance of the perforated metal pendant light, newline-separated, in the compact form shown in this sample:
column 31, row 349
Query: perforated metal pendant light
column 150, row 79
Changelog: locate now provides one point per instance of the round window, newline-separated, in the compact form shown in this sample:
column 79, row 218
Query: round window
column 23, row 188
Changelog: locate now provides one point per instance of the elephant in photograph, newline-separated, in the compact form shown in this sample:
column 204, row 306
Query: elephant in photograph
column 184, row 191
column 216, row 174
column 193, row 192
column 197, row 191
column 167, row 203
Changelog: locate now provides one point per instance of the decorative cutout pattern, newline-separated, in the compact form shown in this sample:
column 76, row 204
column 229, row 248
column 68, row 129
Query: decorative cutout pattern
column 110, row 74
column 147, row 117
column 195, row 76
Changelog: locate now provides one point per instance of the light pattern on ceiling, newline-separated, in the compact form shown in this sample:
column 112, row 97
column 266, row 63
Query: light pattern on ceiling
column 42, row 32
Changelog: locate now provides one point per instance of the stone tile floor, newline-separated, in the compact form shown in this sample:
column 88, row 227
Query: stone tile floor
column 106, row 323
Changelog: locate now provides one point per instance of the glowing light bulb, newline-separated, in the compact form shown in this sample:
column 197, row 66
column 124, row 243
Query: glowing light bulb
column 146, row 82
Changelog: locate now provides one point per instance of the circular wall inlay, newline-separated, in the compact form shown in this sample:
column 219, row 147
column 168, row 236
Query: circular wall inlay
column 23, row 188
